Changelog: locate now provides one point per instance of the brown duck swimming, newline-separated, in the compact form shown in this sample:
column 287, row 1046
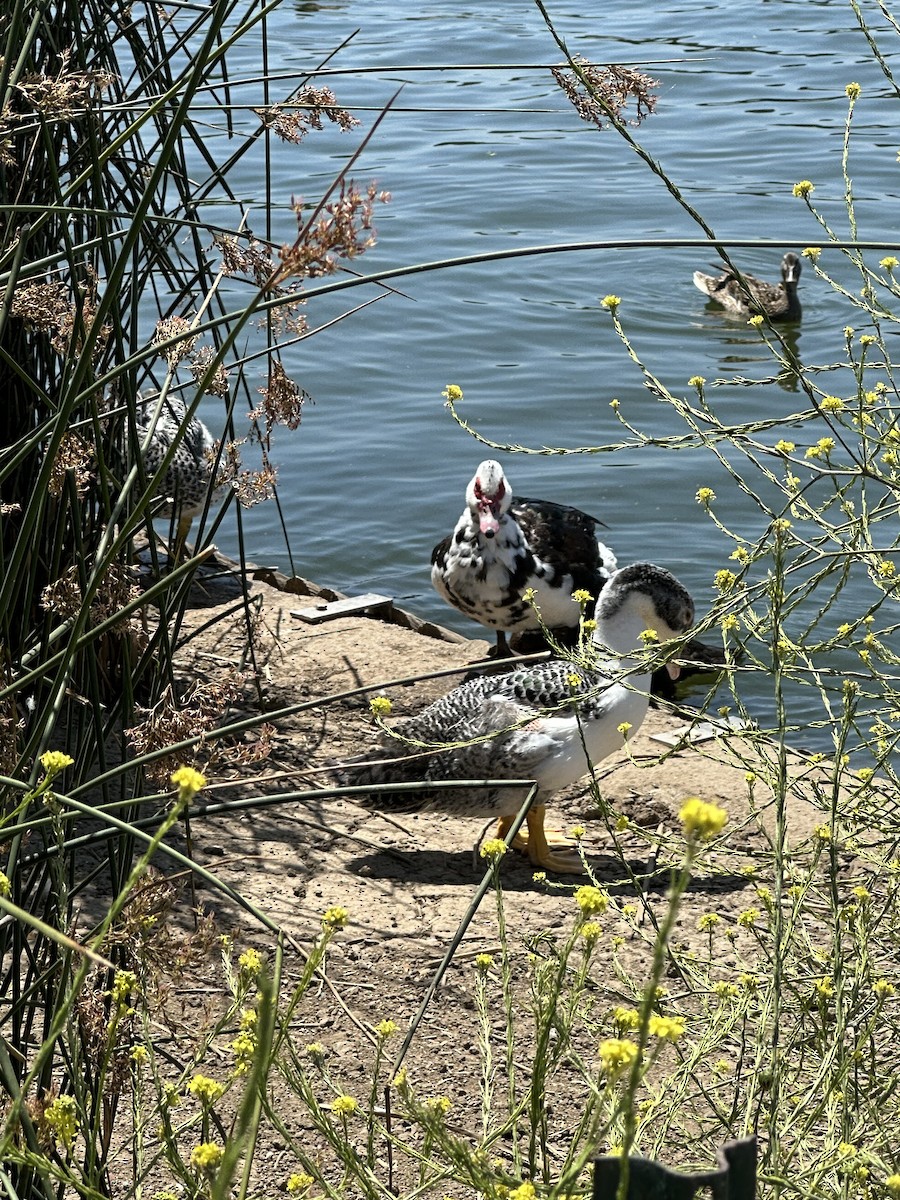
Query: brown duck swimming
column 779, row 301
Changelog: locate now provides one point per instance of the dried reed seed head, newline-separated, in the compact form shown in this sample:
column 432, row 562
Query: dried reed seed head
column 255, row 487
column 605, row 91
column 47, row 307
column 117, row 588
column 253, row 259
column 345, row 231
column 76, row 455
column 62, row 96
column 175, row 327
column 175, row 719
column 305, row 110
column 105, row 1046
column 283, row 400
column 217, row 384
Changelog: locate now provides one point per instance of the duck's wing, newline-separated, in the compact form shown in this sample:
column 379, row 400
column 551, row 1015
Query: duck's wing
column 439, row 553
column 565, row 540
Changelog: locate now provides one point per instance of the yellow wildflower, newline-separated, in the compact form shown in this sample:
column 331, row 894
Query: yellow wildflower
column 700, row 819
column 206, row 1157
column 344, row 1106
column 525, row 1191
column 62, row 1118
column 667, row 1029
column 626, row 1018
column 250, row 962
column 380, row 706
column 386, row 1029
column 188, row 781
column 889, row 262
column 54, row 761
column 205, row 1089
column 298, row 1183
column 705, row 496
column 617, row 1054
column 853, row 90
column 335, row 917
column 591, row 901
column 611, row 302
column 493, row 849
column 452, row 392
column 803, row 189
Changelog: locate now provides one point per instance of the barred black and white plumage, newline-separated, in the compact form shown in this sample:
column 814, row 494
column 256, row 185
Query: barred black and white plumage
column 779, row 301
column 186, row 482
column 547, row 721
column 503, row 546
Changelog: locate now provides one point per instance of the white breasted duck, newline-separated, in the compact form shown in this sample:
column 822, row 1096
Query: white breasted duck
column 505, row 545
column 779, row 301
column 548, row 721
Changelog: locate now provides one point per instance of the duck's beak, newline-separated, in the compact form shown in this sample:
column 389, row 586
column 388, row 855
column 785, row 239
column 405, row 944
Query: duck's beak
column 488, row 524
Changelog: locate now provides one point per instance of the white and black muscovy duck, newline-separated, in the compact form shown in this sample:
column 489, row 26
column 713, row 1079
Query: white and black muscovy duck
column 547, row 721
column 779, row 301
column 504, row 545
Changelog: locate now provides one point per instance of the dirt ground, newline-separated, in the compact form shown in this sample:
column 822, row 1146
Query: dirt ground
column 408, row 883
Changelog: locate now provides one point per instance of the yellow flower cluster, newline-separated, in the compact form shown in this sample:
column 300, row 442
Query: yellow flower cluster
column 386, row 1029
column 667, row 1029
column 452, row 392
column 626, row 1018
column 803, row 189
column 617, row 1054
column 525, row 1191
column 591, row 932
column 705, row 496
column 54, row 761
column 206, row 1157
column 205, row 1089
column 188, row 781
column 380, row 706
column 298, row 1183
column 124, row 983
column 493, row 849
column 591, row 901
column 701, row 820
column 611, row 302
column 344, row 1106
column 250, row 962
column 335, row 917
column 62, row 1118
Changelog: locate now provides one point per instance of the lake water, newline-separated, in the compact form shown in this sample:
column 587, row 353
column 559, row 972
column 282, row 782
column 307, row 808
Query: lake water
column 751, row 99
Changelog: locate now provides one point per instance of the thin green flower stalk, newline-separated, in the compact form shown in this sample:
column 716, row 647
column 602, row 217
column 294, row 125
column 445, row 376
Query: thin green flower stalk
column 700, row 821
